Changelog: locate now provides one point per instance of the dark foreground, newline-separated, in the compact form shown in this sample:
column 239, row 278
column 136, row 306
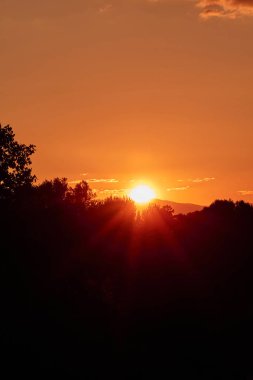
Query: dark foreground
column 94, row 291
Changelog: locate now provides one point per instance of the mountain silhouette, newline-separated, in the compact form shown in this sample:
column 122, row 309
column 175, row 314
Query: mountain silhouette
column 179, row 208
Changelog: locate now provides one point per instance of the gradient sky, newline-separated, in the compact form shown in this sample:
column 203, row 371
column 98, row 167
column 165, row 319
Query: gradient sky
column 126, row 91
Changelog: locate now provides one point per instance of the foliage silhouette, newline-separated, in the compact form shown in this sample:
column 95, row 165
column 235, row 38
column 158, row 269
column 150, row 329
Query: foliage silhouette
column 81, row 194
column 15, row 172
column 52, row 192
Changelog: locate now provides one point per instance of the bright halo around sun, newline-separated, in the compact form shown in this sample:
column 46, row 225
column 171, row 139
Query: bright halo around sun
column 142, row 194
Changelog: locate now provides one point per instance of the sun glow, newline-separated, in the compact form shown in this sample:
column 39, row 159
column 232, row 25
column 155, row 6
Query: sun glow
column 142, row 194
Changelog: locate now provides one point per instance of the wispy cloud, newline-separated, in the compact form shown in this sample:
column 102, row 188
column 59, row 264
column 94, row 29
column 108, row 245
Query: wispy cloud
column 231, row 9
column 245, row 192
column 197, row 180
column 102, row 180
column 105, row 8
column 74, row 182
column 112, row 193
column 182, row 188
column 94, row 180
column 200, row 180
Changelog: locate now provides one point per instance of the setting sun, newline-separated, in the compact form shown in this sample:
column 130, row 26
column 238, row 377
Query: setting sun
column 142, row 194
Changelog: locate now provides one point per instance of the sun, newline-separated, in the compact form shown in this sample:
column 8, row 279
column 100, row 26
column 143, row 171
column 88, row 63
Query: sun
column 142, row 194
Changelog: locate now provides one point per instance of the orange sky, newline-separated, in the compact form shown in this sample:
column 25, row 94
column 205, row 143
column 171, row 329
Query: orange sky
column 133, row 90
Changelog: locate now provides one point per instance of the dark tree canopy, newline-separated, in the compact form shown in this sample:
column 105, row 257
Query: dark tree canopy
column 52, row 191
column 15, row 171
column 81, row 193
column 56, row 191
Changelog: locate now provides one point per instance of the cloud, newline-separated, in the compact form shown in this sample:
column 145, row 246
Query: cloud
column 95, row 180
column 112, row 193
column 182, row 188
column 197, row 180
column 102, row 180
column 230, row 9
column 105, row 8
column 75, row 182
column 192, row 181
column 200, row 180
column 245, row 192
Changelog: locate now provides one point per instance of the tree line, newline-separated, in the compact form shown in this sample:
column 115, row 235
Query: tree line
column 91, row 288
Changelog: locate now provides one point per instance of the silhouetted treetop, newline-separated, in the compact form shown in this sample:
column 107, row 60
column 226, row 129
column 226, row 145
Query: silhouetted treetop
column 51, row 192
column 15, row 171
column 56, row 191
column 81, row 193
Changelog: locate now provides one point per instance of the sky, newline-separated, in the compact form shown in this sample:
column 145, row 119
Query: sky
column 123, row 92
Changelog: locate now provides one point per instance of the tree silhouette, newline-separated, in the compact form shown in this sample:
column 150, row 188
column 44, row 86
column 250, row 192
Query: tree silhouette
column 58, row 191
column 81, row 193
column 15, row 172
column 51, row 192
